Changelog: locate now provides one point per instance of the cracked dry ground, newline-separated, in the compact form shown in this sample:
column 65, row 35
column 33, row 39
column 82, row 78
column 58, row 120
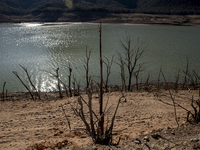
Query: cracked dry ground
column 26, row 124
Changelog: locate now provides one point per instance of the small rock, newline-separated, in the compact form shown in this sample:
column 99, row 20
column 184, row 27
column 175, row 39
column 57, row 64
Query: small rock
column 137, row 141
column 146, row 138
column 185, row 143
column 83, row 136
column 172, row 145
column 173, row 132
column 196, row 146
column 154, row 135
column 94, row 148
column 61, row 132
column 59, row 145
column 194, row 140
column 166, row 145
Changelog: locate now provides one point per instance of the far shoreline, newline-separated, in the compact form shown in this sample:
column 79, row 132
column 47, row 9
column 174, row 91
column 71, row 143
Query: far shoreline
column 123, row 18
column 148, row 87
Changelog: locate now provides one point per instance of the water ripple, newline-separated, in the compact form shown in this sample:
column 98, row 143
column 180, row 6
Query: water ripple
column 42, row 47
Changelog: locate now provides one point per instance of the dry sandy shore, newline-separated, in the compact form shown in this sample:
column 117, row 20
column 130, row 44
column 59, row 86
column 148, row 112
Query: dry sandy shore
column 26, row 124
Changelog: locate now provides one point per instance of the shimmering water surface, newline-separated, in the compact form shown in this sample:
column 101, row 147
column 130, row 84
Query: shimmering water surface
column 44, row 47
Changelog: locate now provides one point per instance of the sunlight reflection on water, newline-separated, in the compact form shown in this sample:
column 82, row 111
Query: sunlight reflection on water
column 45, row 46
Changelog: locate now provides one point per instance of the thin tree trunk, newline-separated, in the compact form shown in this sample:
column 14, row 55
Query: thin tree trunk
column 70, row 73
column 101, row 85
column 23, row 84
column 3, row 90
column 60, row 93
column 129, row 82
column 29, row 78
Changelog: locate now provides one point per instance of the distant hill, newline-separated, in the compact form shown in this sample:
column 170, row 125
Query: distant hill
column 83, row 7
column 19, row 7
column 169, row 6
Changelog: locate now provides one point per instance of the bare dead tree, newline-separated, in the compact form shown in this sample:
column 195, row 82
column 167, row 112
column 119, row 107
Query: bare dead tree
column 197, row 80
column 195, row 116
column 172, row 97
column 74, row 85
column 122, row 72
column 186, row 71
column 64, row 85
column 159, row 77
column 192, row 117
column 6, row 94
column 93, row 126
column 69, row 77
column 108, row 71
column 147, row 82
column 94, row 122
column 29, row 78
column 78, row 83
column 59, row 86
column 136, row 77
column 3, row 96
column 131, row 56
column 177, row 80
column 16, row 74
column 59, row 81
column 66, row 118
column 101, row 122
column 87, row 67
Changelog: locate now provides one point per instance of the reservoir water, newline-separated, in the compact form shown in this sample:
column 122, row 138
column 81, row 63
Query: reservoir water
column 43, row 47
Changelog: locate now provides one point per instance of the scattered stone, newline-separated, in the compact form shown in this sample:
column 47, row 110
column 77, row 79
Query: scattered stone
column 65, row 142
column 83, row 136
column 196, row 146
column 166, row 145
column 185, row 143
column 194, row 140
column 24, row 106
column 137, row 141
column 94, row 148
column 59, row 145
column 146, row 138
column 173, row 132
column 172, row 145
column 154, row 135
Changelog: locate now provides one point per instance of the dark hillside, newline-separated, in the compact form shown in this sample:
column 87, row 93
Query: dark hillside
column 89, row 10
column 128, row 3
column 169, row 6
column 57, row 6
column 16, row 7
column 19, row 7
